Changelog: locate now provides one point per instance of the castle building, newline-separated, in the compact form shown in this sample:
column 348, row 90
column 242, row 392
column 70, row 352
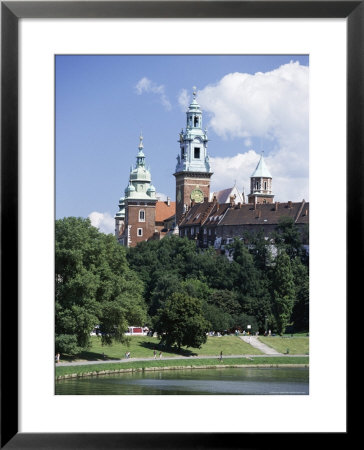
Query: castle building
column 215, row 224
column 141, row 216
column 135, row 220
column 209, row 218
column 261, row 184
column 225, row 195
column 193, row 168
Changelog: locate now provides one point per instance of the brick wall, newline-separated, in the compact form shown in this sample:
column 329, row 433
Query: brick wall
column 147, row 226
column 186, row 184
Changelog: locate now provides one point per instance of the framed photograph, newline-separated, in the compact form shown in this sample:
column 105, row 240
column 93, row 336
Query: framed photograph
column 38, row 41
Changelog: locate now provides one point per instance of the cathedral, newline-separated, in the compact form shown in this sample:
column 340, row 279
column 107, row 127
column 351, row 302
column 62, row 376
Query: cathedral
column 210, row 218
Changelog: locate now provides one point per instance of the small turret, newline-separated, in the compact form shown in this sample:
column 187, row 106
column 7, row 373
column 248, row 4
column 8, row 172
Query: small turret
column 261, row 184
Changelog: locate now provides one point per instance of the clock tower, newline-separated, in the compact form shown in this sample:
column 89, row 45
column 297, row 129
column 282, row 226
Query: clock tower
column 193, row 168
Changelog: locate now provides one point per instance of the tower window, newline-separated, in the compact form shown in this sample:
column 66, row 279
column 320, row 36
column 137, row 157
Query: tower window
column 140, row 232
column 183, row 153
column 197, row 152
column 196, row 121
column 141, row 216
column 257, row 185
column 265, row 185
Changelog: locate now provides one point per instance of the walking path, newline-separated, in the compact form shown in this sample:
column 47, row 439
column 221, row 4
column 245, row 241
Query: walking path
column 175, row 358
column 252, row 340
column 256, row 343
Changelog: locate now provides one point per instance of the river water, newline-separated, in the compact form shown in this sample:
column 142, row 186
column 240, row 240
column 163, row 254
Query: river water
column 233, row 381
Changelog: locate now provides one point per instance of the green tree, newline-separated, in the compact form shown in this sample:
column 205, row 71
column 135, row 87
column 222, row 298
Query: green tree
column 218, row 319
column 94, row 286
column 300, row 313
column 181, row 322
column 259, row 248
column 196, row 288
column 214, row 268
column 283, row 291
column 226, row 300
column 288, row 238
column 252, row 284
column 166, row 284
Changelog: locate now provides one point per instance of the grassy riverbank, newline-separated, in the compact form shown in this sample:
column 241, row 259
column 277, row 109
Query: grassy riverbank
column 99, row 369
column 296, row 345
column 143, row 347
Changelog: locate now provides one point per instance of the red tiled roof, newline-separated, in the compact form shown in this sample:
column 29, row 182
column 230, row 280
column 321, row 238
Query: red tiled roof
column 268, row 213
column 212, row 214
column 196, row 214
column 163, row 211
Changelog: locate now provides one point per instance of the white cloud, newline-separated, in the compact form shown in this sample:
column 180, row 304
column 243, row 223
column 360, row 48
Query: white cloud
column 103, row 221
column 148, row 86
column 269, row 104
column 273, row 106
column 239, row 168
column 184, row 99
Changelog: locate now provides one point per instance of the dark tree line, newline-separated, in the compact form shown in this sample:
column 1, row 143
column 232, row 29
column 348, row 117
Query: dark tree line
column 263, row 283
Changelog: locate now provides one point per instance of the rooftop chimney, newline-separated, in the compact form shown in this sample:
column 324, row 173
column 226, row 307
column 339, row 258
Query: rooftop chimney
column 290, row 204
column 168, row 201
column 276, row 206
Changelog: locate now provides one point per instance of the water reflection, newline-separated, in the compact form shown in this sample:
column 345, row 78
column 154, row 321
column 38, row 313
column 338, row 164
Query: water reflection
column 234, row 381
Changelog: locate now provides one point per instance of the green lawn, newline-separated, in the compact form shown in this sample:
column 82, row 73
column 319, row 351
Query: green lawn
column 140, row 365
column 297, row 345
column 143, row 346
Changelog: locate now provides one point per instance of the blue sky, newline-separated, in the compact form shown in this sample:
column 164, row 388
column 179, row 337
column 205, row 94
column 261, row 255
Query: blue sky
column 250, row 103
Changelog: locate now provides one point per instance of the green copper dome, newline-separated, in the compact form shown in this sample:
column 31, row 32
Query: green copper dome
column 261, row 171
column 140, row 187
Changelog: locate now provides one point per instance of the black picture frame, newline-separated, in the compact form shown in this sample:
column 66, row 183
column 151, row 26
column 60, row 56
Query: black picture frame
column 11, row 12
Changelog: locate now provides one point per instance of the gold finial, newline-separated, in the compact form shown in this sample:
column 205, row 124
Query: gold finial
column 194, row 91
column 141, row 140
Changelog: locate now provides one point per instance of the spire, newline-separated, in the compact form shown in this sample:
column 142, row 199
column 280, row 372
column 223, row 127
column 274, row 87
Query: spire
column 140, row 156
column 194, row 92
column 261, row 171
column 194, row 106
column 141, row 146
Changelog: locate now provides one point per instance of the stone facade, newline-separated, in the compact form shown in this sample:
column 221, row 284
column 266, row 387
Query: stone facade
column 214, row 224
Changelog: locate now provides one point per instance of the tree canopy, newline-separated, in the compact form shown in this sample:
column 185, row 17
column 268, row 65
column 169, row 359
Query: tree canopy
column 94, row 286
column 174, row 287
column 180, row 321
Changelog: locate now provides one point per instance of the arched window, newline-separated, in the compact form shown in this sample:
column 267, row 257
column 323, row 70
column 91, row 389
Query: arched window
column 142, row 215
